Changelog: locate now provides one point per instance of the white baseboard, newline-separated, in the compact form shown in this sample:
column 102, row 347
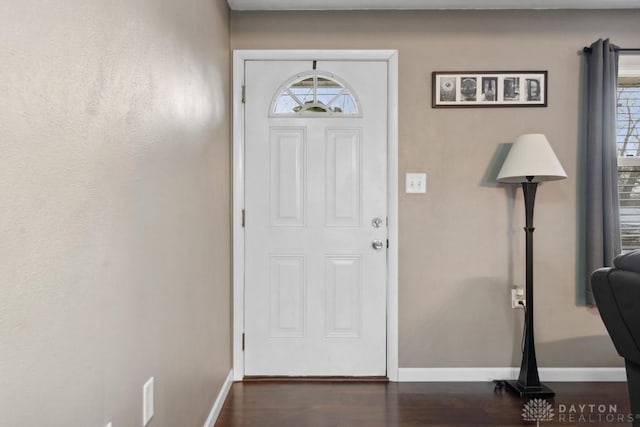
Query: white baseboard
column 490, row 374
column 217, row 405
column 583, row 374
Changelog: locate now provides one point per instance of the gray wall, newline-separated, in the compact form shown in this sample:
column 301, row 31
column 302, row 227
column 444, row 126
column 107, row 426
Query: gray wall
column 462, row 244
column 114, row 210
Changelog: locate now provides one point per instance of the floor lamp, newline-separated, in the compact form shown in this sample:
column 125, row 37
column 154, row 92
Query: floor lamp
column 530, row 160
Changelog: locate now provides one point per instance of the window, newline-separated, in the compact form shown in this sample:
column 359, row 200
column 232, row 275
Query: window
column 628, row 144
column 314, row 93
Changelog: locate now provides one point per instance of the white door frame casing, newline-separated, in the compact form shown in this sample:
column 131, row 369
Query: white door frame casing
column 239, row 58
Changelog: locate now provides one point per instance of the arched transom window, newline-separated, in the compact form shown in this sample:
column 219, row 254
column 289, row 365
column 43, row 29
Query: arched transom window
column 315, row 93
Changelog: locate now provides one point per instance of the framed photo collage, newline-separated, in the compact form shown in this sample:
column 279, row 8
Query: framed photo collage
column 489, row 89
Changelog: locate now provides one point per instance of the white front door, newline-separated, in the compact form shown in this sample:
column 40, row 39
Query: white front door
column 315, row 201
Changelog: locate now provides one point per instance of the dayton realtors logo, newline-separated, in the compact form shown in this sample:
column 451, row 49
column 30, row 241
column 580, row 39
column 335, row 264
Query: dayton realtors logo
column 592, row 413
column 537, row 410
column 540, row 410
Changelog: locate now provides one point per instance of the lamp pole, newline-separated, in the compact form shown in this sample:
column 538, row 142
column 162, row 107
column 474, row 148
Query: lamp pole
column 529, row 157
column 528, row 383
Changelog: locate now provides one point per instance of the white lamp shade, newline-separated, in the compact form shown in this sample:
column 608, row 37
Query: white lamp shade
column 531, row 155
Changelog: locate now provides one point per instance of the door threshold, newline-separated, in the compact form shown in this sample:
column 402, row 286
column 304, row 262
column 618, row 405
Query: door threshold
column 345, row 379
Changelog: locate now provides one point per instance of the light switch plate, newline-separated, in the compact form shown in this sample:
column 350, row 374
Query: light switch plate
column 416, row 183
column 147, row 401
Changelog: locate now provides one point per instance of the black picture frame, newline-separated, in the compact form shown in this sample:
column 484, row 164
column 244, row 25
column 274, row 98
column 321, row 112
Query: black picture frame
column 489, row 89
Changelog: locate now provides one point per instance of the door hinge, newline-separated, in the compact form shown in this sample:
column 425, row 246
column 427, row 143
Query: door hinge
column 243, row 341
column 387, row 243
column 243, row 217
column 244, row 92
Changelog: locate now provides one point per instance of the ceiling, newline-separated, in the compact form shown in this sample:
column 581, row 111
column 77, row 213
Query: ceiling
column 429, row 4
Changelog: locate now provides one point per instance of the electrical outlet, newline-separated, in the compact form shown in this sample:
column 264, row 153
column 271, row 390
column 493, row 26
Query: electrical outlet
column 147, row 401
column 517, row 296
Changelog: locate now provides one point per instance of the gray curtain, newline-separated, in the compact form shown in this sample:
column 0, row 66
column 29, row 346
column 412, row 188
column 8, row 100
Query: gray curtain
column 602, row 221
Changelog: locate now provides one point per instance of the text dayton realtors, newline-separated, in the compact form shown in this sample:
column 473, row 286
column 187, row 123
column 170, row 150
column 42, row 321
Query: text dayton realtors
column 592, row 413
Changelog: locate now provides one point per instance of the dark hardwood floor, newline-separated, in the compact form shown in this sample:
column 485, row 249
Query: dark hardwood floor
column 380, row 404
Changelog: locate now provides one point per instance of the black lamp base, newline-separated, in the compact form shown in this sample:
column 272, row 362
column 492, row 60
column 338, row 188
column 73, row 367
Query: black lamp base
column 524, row 391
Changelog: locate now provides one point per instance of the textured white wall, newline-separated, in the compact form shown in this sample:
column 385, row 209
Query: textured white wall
column 114, row 210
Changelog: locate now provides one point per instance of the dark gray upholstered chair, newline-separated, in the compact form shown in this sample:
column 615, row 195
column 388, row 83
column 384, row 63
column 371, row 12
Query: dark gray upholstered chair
column 617, row 293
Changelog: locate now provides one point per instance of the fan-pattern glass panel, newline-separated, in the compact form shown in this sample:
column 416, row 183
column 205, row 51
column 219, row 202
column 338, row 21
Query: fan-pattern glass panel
column 315, row 93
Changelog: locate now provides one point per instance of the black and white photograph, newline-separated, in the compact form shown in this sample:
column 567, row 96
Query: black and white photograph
column 448, row 89
column 511, row 89
column 533, row 89
column 485, row 89
column 489, row 89
column 468, row 89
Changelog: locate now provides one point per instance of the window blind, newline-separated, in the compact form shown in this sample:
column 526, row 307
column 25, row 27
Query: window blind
column 628, row 144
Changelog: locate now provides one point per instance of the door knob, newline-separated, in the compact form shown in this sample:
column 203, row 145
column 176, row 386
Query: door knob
column 377, row 244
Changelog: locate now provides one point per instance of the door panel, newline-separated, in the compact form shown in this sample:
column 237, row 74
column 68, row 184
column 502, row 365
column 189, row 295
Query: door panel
column 287, row 299
column 343, row 187
column 287, row 183
column 343, row 278
column 315, row 288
